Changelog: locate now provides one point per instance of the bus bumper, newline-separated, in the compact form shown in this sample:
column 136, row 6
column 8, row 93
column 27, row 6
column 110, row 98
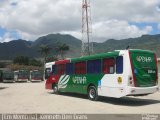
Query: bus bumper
column 119, row 92
column 142, row 90
column 33, row 80
column 8, row 81
column 22, row 80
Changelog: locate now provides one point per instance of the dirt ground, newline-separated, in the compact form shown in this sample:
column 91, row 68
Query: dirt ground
column 33, row 98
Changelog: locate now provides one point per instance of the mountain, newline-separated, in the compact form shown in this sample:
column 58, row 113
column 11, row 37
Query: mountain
column 53, row 40
column 10, row 50
column 149, row 42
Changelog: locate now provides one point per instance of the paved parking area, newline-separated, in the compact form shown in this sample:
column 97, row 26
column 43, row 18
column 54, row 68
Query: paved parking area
column 33, row 98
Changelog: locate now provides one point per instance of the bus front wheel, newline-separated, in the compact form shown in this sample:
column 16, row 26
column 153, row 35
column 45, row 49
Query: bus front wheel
column 92, row 93
column 55, row 89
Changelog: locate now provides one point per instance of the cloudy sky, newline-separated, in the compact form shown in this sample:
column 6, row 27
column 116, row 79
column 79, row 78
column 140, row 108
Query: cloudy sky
column 111, row 19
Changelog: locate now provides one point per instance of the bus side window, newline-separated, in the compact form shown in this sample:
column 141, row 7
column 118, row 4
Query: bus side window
column 108, row 65
column 53, row 69
column 80, row 67
column 60, row 69
column 47, row 73
column 119, row 65
column 94, row 66
column 69, row 68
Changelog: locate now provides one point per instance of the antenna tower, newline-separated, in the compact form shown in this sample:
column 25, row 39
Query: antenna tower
column 87, row 47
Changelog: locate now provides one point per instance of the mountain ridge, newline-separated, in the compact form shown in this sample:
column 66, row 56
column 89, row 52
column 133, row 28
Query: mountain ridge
column 9, row 50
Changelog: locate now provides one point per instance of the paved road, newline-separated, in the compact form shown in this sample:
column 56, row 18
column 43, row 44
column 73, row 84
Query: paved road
column 33, row 98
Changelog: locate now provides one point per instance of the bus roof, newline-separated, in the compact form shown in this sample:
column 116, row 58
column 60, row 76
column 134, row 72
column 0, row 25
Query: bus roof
column 140, row 50
column 50, row 63
column 62, row 62
column 97, row 56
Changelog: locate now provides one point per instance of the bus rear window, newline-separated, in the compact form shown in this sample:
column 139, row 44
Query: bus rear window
column 119, row 65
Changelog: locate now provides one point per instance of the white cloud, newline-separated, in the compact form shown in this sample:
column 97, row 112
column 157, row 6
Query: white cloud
column 33, row 18
column 159, row 27
column 130, row 10
column 27, row 36
column 75, row 33
column 114, row 29
column 158, row 8
column 36, row 17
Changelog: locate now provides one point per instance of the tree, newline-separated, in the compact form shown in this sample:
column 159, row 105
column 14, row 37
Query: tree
column 51, row 58
column 2, row 65
column 34, row 62
column 21, row 60
column 44, row 50
column 61, row 49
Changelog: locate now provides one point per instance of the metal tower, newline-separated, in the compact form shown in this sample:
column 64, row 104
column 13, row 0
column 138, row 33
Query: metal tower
column 87, row 47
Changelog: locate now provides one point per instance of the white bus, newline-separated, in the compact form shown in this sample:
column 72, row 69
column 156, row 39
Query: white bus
column 21, row 76
column 48, row 69
column 35, row 76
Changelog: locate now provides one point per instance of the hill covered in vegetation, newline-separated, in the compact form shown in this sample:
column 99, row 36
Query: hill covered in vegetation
column 10, row 50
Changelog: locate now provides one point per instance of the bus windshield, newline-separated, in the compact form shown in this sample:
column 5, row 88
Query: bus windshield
column 36, row 74
column 8, row 75
column 47, row 72
column 144, row 68
column 23, row 74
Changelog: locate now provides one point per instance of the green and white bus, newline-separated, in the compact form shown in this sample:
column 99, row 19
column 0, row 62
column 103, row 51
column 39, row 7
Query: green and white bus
column 114, row 74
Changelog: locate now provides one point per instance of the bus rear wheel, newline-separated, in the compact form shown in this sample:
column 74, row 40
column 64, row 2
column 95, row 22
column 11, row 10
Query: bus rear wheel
column 92, row 93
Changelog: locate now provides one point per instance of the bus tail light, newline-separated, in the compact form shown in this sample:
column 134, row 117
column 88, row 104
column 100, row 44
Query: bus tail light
column 131, row 81
column 155, row 57
column 134, row 77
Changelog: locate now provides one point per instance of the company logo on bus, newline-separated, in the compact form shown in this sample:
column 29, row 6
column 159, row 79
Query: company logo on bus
column 79, row 80
column 143, row 59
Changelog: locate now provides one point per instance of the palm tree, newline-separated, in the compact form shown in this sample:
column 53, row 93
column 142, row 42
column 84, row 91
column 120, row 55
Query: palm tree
column 44, row 50
column 61, row 49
